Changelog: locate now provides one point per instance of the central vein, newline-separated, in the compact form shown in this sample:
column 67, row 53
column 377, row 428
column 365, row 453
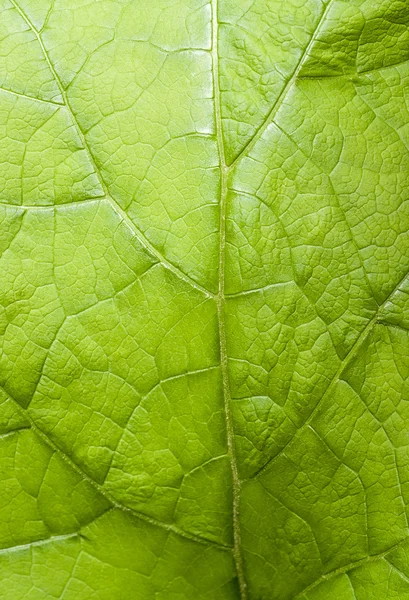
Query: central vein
column 220, row 299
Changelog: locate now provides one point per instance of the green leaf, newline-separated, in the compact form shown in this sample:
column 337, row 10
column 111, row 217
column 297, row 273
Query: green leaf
column 204, row 307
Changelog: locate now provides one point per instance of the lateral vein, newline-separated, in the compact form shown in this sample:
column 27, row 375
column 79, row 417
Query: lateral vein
column 104, row 493
column 277, row 103
column 351, row 566
column 116, row 207
column 360, row 340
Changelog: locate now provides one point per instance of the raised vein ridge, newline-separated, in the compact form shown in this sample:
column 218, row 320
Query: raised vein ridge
column 353, row 565
column 220, row 300
column 100, row 489
column 124, row 216
column 353, row 351
column 276, row 105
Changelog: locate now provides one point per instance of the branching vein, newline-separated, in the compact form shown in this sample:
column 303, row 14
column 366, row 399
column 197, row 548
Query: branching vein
column 136, row 231
column 224, row 170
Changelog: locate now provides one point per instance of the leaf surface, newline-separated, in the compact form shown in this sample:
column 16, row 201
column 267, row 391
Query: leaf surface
column 204, row 308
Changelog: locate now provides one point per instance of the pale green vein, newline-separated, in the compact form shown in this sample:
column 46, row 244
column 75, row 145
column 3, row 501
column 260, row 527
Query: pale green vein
column 398, row 571
column 351, row 76
column 125, row 217
column 132, row 413
column 349, row 567
column 32, row 98
column 276, row 105
column 51, row 207
column 170, row 528
column 224, row 170
column 39, row 543
column 52, row 538
column 13, row 432
column 353, row 351
column 221, row 298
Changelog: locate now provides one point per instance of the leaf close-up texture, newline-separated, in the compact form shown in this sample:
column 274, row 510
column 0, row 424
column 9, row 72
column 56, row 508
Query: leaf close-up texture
column 204, row 299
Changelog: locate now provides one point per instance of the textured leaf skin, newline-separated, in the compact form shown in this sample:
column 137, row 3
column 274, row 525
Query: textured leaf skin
column 204, row 307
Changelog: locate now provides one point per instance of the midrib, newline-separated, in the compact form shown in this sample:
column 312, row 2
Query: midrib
column 220, row 297
column 220, row 300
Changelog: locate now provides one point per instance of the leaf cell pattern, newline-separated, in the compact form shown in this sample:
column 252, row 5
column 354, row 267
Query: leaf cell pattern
column 204, row 311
